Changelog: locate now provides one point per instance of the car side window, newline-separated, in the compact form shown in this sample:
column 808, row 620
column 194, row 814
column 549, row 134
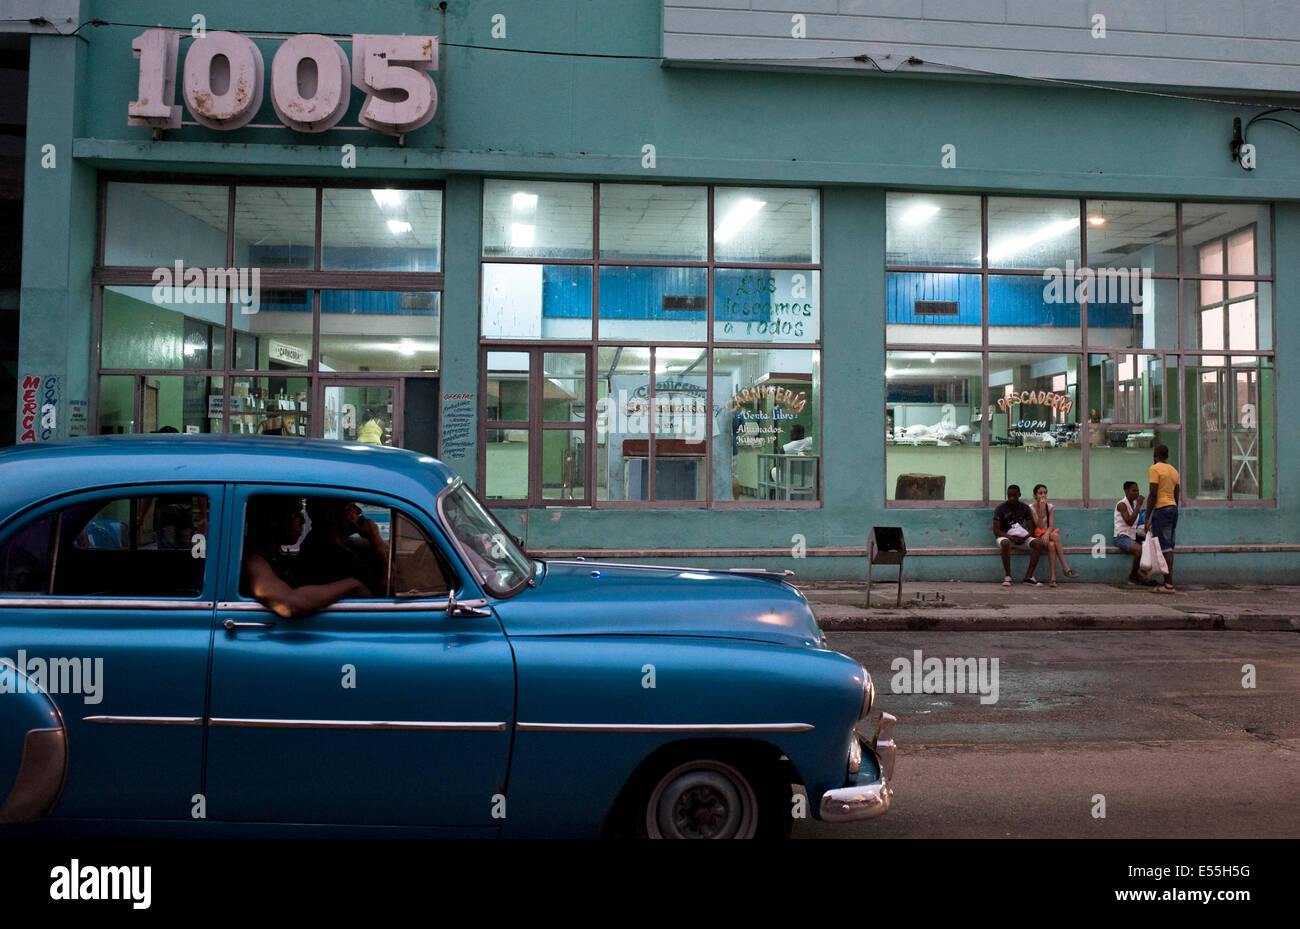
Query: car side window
column 418, row 567
column 317, row 540
column 150, row 546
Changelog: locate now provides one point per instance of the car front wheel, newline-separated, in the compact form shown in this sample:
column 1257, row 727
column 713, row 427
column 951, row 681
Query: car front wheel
column 702, row 799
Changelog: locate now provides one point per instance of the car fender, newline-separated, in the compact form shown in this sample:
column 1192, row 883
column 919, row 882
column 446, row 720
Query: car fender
column 591, row 709
column 33, row 748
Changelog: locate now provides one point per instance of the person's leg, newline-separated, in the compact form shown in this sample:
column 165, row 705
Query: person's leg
column 1051, row 557
column 1060, row 553
column 1004, row 547
column 1169, row 575
column 1035, row 549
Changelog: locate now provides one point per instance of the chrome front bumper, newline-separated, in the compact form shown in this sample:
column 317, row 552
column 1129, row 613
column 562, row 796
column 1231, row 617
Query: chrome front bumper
column 862, row 798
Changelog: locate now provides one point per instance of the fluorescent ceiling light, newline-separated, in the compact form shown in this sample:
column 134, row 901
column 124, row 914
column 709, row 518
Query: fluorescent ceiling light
column 919, row 213
column 677, row 354
column 406, row 347
column 387, row 197
column 398, row 226
column 524, row 202
column 1096, row 220
column 1017, row 244
column 521, row 235
column 740, row 214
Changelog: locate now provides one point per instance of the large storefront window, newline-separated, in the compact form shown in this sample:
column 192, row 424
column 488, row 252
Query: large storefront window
column 677, row 367
column 283, row 323
column 1169, row 304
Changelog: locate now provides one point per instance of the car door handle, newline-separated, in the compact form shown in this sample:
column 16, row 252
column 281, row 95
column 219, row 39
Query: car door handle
column 230, row 625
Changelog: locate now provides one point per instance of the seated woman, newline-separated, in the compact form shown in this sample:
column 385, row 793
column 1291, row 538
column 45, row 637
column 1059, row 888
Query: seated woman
column 1045, row 528
column 266, row 575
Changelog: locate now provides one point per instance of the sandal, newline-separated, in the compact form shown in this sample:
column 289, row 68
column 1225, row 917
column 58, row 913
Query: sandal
column 1070, row 572
column 1166, row 589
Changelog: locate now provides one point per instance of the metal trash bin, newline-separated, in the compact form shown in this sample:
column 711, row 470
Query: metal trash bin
column 885, row 545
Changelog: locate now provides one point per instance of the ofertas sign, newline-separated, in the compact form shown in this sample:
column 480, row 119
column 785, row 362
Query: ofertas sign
column 310, row 81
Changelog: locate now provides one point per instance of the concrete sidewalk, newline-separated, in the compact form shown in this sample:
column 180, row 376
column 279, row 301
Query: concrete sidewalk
column 951, row 605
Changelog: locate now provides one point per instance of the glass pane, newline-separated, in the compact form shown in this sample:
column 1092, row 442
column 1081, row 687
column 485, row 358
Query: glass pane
column 1132, row 235
column 116, row 404
column 275, row 227
column 418, row 571
column 1248, row 316
column 132, row 547
column 1101, row 391
column 932, row 308
column 932, row 229
column 154, row 328
column 505, row 464
column 379, row 330
column 1241, row 229
column 536, row 301
column 1030, row 310
column 622, row 423
column 536, row 219
column 278, row 335
column 507, row 387
column 766, row 224
column 649, row 304
column 269, row 406
column 381, row 230
column 767, row 424
column 564, row 464
column 766, row 306
column 648, row 221
column 564, row 388
column 359, row 413
column 932, row 426
column 1124, row 312
column 1028, row 232
column 1209, row 441
column 156, row 225
column 1034, row 433
column 681, row 423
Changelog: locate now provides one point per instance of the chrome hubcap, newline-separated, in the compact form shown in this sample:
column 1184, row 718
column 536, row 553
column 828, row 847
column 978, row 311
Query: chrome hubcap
column 702, row 800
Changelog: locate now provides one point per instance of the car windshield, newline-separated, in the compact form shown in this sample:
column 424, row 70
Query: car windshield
column 491, row 552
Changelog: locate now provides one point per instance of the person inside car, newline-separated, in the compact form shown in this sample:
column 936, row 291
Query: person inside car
column 269, row 578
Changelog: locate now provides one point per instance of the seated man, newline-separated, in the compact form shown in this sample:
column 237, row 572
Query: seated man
column 1129, row 530
column 330, row 553
column 266, row 577
column 1013, row 526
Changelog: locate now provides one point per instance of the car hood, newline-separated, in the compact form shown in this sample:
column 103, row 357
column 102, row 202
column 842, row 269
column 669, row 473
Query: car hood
column 594, row 598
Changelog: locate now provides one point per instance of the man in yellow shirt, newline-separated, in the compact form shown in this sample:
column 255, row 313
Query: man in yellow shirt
column 1162, row 509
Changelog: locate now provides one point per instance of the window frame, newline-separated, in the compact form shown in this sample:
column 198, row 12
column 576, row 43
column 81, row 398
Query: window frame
column 591, row 346
column 1187, row 356
column 311, row 281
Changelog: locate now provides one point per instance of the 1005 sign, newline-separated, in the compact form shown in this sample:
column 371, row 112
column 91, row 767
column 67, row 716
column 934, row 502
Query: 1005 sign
column 311, row 81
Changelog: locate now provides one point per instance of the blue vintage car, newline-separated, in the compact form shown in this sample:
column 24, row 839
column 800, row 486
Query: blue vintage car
column 167, row 666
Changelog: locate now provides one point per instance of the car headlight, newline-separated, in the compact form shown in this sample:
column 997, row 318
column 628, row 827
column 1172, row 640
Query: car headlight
column 868, row 692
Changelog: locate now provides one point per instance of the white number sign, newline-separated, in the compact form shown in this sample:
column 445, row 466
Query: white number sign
column 310, row 81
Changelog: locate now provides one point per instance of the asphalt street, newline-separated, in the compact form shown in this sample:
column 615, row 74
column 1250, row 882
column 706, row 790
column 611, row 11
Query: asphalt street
column 1155, row 725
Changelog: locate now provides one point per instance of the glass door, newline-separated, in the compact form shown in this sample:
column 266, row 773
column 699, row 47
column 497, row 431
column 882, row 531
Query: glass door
column 361, row 410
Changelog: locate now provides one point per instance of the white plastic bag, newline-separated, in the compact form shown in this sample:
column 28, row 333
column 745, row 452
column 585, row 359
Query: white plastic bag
column 1017, row 532
column 1153, row 559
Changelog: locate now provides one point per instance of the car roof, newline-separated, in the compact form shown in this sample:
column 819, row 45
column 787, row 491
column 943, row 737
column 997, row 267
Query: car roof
column 29, row 473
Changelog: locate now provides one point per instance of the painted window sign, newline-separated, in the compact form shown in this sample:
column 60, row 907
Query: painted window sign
column 40, row 409
column 1056, row 401
column 222, row 81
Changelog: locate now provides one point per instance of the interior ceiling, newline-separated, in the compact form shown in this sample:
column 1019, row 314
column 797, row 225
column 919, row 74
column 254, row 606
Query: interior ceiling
column 952, row 235
column 287, row 215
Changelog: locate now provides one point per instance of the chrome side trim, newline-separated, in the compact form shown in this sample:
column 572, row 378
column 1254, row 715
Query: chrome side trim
column 359, row 606
column 85, row 603
column 663, row 727
column 146, row 720
column 449, row 726
column 40, row 776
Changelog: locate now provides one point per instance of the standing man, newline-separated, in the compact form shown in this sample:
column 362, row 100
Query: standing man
column 1013, row 525
column 1162, row 509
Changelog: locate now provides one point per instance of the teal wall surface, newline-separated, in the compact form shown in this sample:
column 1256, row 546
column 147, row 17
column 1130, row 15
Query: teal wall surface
column 575, row 115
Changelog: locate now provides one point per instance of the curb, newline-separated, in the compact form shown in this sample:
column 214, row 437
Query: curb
column 832, row 619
